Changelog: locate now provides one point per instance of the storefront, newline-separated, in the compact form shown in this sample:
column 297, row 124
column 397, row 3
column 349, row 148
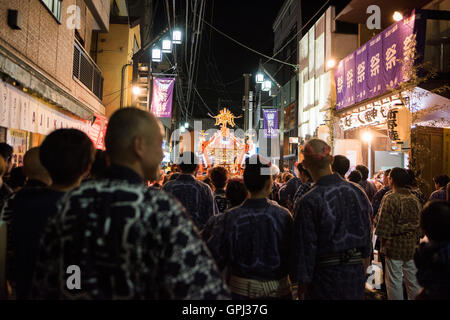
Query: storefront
column 376, row 134
column 26, row 120
column 388, row 114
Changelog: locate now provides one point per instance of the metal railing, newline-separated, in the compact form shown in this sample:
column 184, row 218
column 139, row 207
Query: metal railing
column 85, row 70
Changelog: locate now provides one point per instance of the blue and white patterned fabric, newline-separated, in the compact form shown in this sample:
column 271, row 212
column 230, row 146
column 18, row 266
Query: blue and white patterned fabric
column 301, row 191
column 332, row 217
column 196, row 197
column 287, row 192
column 129, row 243
column 253, row 240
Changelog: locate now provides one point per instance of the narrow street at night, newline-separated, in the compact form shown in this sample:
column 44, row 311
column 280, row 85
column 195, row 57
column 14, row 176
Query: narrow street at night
column 245, row 158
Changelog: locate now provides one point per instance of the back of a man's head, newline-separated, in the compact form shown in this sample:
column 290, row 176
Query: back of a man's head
column 400, row 177
column 188, row 162
column 33, row 167
column 355, row 176
column 67, row 154
column 123, row 127
column 435, row 220
column 341, row 164
column 6, row 150
column 441, row 180
column 218, row 176
column 364, row 171
column 317, row 154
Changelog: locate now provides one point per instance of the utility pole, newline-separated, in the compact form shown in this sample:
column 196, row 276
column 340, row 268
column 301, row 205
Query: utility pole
column 246, row 101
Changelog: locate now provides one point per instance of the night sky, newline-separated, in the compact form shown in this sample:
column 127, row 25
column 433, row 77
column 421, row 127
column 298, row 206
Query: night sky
column 223, row 62
column 250, row 22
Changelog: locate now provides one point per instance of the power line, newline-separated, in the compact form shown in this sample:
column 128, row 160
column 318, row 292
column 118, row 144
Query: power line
column 248, row 48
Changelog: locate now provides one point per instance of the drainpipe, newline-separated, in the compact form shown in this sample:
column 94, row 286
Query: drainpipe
column 121, row 83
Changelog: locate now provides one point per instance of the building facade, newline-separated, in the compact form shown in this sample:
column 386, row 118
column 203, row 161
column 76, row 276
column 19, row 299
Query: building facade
column 391, row 110
column 48, row 77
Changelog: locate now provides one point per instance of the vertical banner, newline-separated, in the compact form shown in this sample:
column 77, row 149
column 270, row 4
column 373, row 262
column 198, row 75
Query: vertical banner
column 25, row 123
column 4, row 104
column 162, row 97
column 409, row 46
column 375, row 64
column 270, row 117
column 361, row 89
column 339, row 80
column 349, row 79
column 392, row 56
column 14, row 107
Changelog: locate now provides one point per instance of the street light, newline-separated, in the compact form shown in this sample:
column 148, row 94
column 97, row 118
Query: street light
column 166, row 46
column 266, row 85
column 136, row 90
column 176, row 37
column 156, row 55
column 397, row 16
column 259, row 77
column 331, row 63
column 186, row 124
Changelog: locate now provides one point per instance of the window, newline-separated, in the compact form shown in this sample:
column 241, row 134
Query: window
column 54, row 6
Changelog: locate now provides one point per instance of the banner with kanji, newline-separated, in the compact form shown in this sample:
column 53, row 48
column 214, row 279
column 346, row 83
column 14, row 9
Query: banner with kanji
column 270, row 117
column 162, row 97
column 379, row 65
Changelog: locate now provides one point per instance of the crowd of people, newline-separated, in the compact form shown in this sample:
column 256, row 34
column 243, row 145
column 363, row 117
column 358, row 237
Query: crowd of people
column 135, row 232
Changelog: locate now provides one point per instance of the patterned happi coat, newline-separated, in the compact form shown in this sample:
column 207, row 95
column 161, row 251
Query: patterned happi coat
column 129, row 242
column 332, row 217
column 253, row 240
column 196, row 197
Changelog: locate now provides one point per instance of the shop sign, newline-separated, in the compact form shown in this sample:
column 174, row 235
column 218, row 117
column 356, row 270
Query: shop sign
column 399, row 123
column 371, row 116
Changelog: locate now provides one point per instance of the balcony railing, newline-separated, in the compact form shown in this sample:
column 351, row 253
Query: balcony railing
column 85, row 70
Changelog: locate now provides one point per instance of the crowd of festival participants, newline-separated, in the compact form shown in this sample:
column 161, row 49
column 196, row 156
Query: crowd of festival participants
column 136, row 232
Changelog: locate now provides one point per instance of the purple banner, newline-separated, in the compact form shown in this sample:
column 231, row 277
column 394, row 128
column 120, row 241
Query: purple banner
column 349, row 79
column 392, row 54
column 379, row 65
column 375, row 64
column 339, row 78
column 270, row 123
column 361, row 89
column 162, row 97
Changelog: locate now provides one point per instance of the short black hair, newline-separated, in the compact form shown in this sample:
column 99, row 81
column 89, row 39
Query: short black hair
column 341, row 164
column 355, row 176
column 441, row 180
column 218, row 176
column 303, row 170
column 66, row 154
column 364, row 171
column 17, row 178
column 188, row 162
column 6, row 151
column 435, row 220
column 254, row 178
column 400, row 177
column 236, row 191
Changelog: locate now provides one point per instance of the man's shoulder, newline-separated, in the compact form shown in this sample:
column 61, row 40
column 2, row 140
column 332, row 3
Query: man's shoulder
column 275, row 207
